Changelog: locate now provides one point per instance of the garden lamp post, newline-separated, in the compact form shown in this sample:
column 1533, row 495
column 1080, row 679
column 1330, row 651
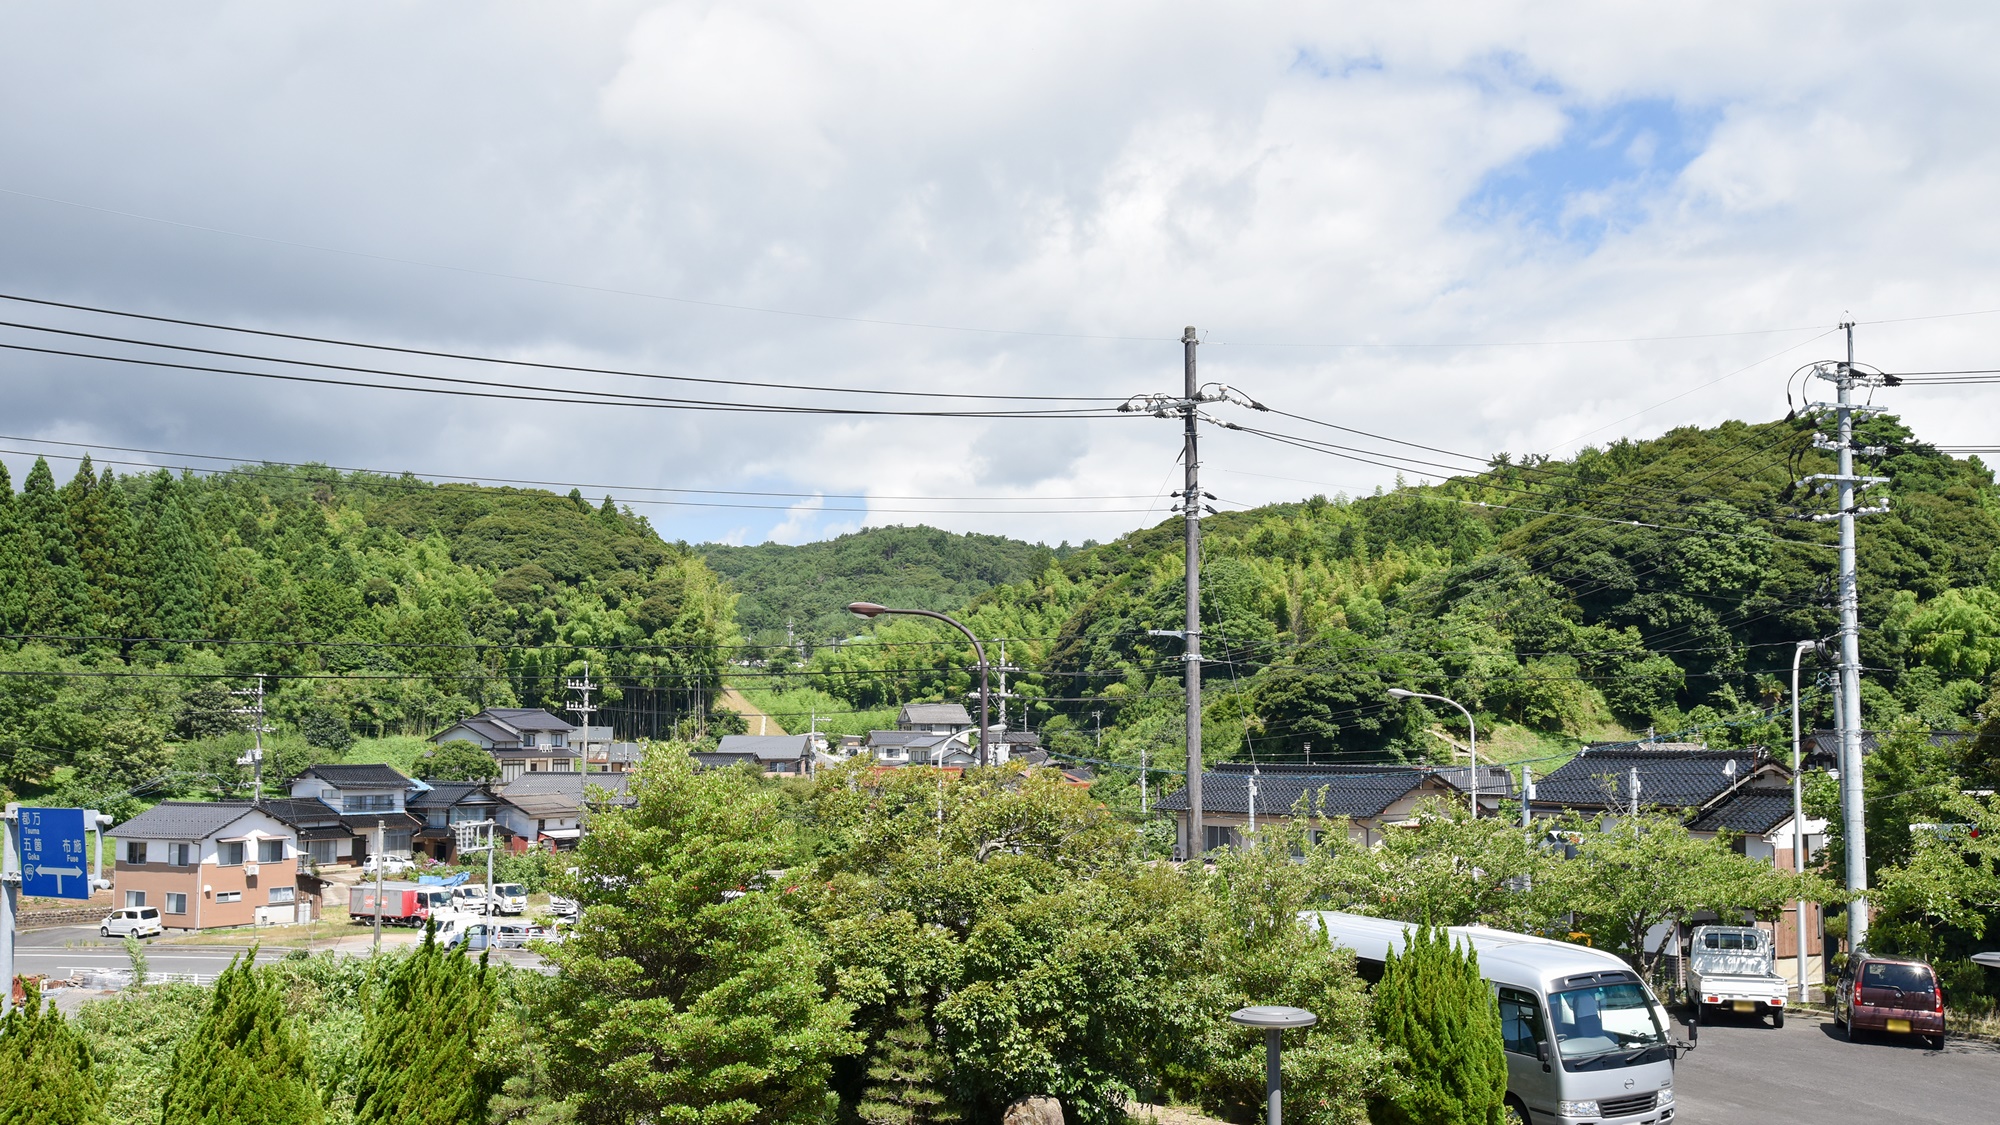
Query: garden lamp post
column 1472, row 736
column 870, row 609
column 1274, row 1019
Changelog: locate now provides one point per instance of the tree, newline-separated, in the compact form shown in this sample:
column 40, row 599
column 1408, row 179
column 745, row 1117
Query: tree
column 1649, row 871
column 177, row 566
column 45, row 1068
column 245, row 1063
column 1448, row 868
column 686, row 993
column 907, row 1083
column 421, row 1060
column 325, row 728
column 457, row 760
column 1433, row 1007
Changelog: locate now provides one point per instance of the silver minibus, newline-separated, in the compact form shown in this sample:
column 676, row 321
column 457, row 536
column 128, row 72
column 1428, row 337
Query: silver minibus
column 1586, row 1041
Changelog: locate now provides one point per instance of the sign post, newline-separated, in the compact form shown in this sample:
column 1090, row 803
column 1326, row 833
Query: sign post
column 46, row 854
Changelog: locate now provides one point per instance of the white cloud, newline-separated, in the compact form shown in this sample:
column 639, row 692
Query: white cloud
column 1274, row 174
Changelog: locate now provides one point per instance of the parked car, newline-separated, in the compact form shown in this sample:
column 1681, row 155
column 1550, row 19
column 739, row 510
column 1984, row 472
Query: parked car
column 1890, row 994
column 470, row 898
column 138, row 921
column 1732, row 967
column 390, row 865
column 470, row 930
column 517, row 935
column 562, row 907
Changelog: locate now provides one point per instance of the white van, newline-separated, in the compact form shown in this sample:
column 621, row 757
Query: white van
column 1586, row 1041
column 139, row 921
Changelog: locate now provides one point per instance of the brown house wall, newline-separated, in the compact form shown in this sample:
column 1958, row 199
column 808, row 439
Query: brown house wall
column 204, row 911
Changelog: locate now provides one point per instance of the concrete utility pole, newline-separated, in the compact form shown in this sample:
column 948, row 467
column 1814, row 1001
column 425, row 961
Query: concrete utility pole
column 1845, row 378
column 1527, row 795
column 584, row 711
column 1191, row 507
column 1187, row 407
column 10, row 902
column 255, row 758
column 1633, row 787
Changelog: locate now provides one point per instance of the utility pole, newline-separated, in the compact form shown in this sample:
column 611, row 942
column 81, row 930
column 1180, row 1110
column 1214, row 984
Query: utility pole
column 1633, row 788
column 1191, row 507
column 584, row 711
column 381, row 829
column 255, row 758
column 1845, row 378
column 1187, row 407
column 1145, row 764
column 1253, row 800
column 1003, row 695
column 1527, row 795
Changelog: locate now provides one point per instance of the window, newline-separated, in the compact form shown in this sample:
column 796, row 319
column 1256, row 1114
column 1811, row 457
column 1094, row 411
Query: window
column 270, row 851
column 324, row 851
column 559, row 739
column 561, row 766
column 177, row 854
column 527, row 742
column 135, row 898
column 282, row 894
column 462, row 814
column 177, row 903
column 368, row 802
column 1520, row 1021
column 135, row 851
column 1732, row 940
column 436, row 818
column 229, row 896
column 535, row 766
column 1218, row 836
column 229, row 853
column 396, row 841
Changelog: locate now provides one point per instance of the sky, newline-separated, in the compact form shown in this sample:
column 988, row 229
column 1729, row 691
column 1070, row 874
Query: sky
column 1495, row 227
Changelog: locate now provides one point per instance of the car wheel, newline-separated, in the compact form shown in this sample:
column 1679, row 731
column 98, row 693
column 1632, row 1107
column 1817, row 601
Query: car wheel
column 1936, row 1042
column 1778, row 1018
column 1513, row 1114
column 103, row 931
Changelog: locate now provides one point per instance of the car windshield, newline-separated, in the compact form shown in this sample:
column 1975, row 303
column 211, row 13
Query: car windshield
column 1903, row 978
column 1606, row 1026
column 509, row 889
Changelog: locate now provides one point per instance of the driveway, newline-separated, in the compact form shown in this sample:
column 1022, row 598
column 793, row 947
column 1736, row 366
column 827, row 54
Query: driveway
column 1807, row 1072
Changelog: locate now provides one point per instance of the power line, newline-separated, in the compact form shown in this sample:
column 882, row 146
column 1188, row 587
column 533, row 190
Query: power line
column 469, row 357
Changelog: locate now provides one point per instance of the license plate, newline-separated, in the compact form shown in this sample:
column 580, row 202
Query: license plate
column 1745, row 1005
column 1900, row 1027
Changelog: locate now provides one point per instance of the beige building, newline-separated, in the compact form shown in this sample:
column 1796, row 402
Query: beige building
column 209, row 864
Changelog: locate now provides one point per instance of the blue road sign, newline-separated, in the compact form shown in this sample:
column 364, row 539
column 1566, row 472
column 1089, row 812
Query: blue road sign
column 54, row 862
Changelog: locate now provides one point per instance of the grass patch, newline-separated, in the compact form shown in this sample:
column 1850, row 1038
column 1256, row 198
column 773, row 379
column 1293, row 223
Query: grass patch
column 795, row 711
column 397, row 750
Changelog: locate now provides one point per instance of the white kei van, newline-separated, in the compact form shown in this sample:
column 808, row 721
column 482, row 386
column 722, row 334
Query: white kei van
column 139, row 921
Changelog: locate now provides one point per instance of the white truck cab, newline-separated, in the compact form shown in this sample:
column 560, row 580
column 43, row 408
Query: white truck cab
column 1731, row 968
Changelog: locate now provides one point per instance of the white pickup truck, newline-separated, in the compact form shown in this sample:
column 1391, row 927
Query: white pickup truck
column 1732, row 967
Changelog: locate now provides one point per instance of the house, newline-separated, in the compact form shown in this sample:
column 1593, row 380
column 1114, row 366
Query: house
column 1760, row 817
column 209, row 864
column 547, row 808
column 521, row 739
column 1362, row 801
column 441, row 806
column 959, row 748
column 771, row 753
column 1685, row 777
column 368, row 799
column 933, row 718
column 1821, row 748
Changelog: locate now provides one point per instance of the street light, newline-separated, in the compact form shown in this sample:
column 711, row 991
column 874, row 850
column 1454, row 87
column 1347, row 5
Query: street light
column 1799, row 812
column 870, row 609
column 1472, row 737
column 1274, row 1019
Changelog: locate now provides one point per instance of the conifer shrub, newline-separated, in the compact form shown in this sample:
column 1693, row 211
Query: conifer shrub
column 1434, row 1008
column 907, row 1075
column 45, row 1075
column 245, row 1063
column 421, row 1062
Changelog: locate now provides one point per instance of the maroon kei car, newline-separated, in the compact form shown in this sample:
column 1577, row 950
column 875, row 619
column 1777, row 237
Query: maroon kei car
column 1890, row 994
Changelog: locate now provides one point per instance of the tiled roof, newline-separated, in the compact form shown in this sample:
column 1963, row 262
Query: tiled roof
column 935, row 714
column 766, row 747
column 1755, row 811
column 183, row 820
column 444, row 794
column 362, row 823
column 526, row 718
column 529, row 753
column 485, row 728
column 1494, row 781
column 1677, row 778
column 568, row 784
column 1347, row 794
column 358, row 777
column 301, row 811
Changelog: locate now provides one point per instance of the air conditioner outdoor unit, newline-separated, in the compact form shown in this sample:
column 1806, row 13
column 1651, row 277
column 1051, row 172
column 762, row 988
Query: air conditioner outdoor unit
column 250, row 869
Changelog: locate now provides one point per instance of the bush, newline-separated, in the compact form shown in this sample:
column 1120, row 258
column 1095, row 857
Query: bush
column 45, row 1071
column 1433, row 1006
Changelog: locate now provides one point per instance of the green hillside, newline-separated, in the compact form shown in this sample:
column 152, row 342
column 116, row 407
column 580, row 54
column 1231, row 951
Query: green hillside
column 132, row 605
column 1656, row 584
column 806, row 586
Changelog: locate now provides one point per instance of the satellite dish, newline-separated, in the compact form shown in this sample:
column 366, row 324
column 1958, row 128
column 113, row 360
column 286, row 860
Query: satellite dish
column 1729, row 768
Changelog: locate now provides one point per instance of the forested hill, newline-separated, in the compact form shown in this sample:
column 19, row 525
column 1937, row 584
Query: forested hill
column 1655, row 583
column 806, row 586
column 380, row 605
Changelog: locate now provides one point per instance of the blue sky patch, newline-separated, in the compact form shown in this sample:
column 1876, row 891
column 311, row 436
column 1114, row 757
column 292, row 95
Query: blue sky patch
column 1600, row 177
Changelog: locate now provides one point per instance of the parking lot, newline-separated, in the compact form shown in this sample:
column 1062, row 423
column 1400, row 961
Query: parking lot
column 1807, row 1072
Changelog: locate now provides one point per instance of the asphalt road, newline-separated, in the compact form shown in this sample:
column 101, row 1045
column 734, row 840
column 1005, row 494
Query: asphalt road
column 62, row 950
column 1808, row 1073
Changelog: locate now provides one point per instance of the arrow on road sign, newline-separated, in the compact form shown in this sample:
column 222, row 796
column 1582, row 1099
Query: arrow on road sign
column 58, row 872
